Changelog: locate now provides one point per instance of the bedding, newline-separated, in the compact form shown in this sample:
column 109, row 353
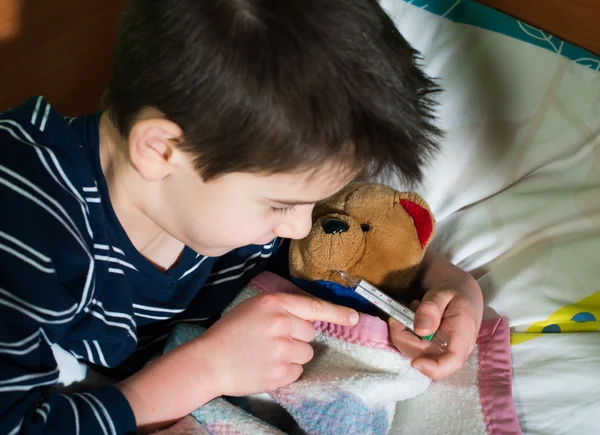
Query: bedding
column 516, row 193
column 355, row 381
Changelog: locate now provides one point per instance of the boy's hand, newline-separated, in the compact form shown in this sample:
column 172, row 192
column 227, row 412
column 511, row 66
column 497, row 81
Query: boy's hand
column 258, row 346
column 454, row 305
column 262, row 343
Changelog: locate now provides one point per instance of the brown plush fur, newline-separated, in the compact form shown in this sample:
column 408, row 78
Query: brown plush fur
column 387, row 255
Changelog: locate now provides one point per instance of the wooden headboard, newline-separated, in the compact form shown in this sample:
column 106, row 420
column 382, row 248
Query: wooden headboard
column 575, row 21
column 68, row 59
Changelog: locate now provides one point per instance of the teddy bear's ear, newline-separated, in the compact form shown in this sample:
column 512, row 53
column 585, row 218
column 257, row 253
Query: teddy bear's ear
column 422, row 217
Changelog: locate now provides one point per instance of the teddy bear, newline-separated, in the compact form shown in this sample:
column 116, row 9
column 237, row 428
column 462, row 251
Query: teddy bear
column 370, row 231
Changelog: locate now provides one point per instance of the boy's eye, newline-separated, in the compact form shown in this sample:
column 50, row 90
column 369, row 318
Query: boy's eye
column 283, row 210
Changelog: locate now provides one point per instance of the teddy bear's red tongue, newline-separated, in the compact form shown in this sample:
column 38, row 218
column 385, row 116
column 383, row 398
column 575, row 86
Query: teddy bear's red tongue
column 421, row 218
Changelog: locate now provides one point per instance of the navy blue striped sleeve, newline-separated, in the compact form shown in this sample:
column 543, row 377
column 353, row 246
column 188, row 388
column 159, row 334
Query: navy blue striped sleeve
column 41, row 224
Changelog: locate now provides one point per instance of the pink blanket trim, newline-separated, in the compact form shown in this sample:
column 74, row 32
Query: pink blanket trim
column 495, row 378
column 495, row 366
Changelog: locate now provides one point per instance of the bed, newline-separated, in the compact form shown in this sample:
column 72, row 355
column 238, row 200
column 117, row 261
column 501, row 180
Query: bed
column 516, row 189
column 516, row 192
column 68, row 59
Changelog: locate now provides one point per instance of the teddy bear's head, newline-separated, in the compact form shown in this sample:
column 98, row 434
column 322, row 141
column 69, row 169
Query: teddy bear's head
column 367, row 230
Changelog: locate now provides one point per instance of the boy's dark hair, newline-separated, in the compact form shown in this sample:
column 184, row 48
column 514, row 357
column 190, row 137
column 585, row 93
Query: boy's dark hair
column 276, row 85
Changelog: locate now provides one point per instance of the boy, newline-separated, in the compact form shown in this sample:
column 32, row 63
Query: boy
column 224, row 122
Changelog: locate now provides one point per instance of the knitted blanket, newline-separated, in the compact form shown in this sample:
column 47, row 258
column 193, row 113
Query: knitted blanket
column 358, row 383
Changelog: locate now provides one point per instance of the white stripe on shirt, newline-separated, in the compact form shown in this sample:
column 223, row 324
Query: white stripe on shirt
column 74, row 230
column 13, row 383
column 68, row 312
column 94, row 410
column 238, row 266
column 36, row 110
column 104, row 412
column 149, row 316
column 17, row 429
column 83, row 206
column 192, row 268
column 168, row 312
column 111, row 323
column 84, row 209
column 33, row 315
column 100, row 354
column 38, row 149
column 163, row 310
column 114, row 260
column 241, row 265
column 45, row 118
column 21, row 342
column 230, row 278
column 25, row 247
column 113, row 313
column 28, row 377
column 26, row 259
column 107, row 248
column 88, row 350
column 42, row 413
column 117, row 250
column 75, row 412
column 22, row 351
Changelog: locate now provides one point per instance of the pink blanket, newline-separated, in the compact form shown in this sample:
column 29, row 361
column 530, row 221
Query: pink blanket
column 358, row 383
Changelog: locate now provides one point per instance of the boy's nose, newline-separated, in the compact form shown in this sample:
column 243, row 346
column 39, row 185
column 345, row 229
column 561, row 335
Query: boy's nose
column 334, row 226
column 294, row 229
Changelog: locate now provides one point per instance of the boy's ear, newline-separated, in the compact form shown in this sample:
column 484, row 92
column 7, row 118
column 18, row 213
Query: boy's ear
column 152, row 147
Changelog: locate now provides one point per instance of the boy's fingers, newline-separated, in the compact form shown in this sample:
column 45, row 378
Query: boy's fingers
column 301, row 352
column 406, row 342
column 302, row 330
column 414, row 305
column 430, row 311
column 460, row 340
column 315, row 309
column 440, row 367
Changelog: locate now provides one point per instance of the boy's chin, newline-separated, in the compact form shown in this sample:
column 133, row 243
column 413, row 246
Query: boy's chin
column 207, row 251
column 218, row 251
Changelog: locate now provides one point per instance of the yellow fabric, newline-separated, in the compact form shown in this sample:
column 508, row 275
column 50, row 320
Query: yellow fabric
column 582, row 316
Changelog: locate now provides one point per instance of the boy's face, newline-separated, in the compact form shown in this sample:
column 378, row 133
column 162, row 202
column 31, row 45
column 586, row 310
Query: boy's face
column 231, row 211
column 242, row 209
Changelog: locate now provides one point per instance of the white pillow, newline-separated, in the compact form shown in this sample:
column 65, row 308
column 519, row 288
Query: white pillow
column 516, row 192
column 516, row 188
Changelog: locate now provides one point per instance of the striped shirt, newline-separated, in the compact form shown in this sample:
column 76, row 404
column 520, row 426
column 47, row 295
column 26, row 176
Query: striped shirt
column 69, row 276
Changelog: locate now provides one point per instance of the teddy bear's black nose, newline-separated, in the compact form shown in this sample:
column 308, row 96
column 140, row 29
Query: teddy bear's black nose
column 334, row 226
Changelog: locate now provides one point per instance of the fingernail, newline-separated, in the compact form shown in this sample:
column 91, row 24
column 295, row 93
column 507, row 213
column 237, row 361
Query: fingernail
column 354, row 317
column 424, row 323
column 418, row 367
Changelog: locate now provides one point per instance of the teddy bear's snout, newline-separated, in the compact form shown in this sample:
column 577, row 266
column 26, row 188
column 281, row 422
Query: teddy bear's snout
column 334, row 226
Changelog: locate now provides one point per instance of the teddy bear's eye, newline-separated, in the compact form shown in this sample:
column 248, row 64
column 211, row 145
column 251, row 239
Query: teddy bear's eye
column 365, row 227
